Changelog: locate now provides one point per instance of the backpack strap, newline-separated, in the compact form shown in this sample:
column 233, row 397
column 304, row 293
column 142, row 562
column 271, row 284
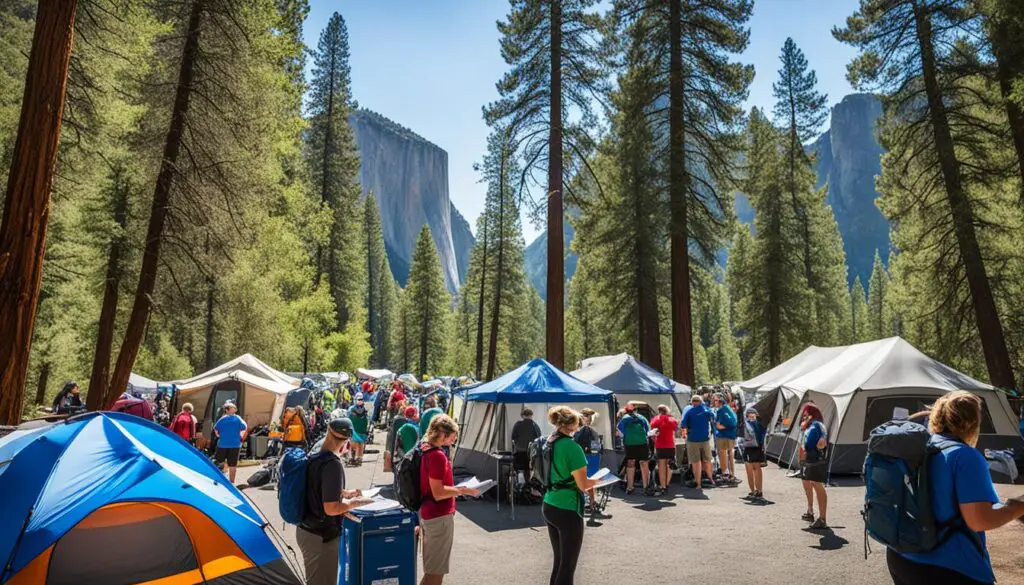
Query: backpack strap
column 956, row 523
column 566, row 482
column 430, row 494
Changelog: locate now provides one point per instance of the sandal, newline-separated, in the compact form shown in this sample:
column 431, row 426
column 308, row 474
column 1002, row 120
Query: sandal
column 819, row 524
column 807, row 517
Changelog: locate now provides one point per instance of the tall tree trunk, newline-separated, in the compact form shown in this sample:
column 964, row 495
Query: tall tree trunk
column 648, row 323
column 136, row 328
column 1010, row 66
column 210, row 294
column 325, row 198
column 44, row 379
column 108, row 312
column 774, row 301
column 682, row 324
column 27, row 205
column 371, row 318
column 480, row 306
column 990, row 329
column 555, row 326
column 424, row 337
column 499, row 279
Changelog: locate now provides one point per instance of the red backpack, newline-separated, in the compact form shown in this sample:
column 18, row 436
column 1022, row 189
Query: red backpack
column 184, row 427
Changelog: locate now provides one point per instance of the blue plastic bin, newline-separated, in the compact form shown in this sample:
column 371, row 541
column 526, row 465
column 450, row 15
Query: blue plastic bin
column 378, row 549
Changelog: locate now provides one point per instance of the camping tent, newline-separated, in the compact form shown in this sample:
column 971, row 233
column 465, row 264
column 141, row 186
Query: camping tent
column 491, row 409
column 632, row 380
column 364, row 374
column 257, row 389
column 141, row 384
column 870, row 383
column 112, row 498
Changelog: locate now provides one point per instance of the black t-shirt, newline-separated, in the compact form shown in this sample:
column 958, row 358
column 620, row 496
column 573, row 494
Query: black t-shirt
column 523, row 433
column 325, row 480
column 585, row 438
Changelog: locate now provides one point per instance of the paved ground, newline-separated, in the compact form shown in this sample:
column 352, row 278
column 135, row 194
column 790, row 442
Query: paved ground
column 680, row 538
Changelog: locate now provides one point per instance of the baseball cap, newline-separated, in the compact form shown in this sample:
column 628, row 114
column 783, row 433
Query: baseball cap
column 342, row 426
column 359, row 395
column 410, row 412
column 630, row 407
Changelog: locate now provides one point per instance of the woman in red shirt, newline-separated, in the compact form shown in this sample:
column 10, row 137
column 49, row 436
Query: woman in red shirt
column 437, row 512
column 664, row 445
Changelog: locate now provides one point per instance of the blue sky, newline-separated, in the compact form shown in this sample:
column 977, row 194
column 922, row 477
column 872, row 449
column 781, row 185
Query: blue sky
column 432, row 64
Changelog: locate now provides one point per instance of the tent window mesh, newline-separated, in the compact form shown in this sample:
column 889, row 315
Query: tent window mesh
column 880, row 410
column 112, row 553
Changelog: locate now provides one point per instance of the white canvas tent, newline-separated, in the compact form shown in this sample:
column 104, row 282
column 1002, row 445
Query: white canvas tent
column 868, row 383
column 364, row 374
column 491, row 409
column 258, row 389
column 142, row 384
column 633, row 380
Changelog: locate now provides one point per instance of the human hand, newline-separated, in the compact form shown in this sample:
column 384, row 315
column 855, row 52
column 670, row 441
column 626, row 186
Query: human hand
column 358, row 502
column 351, row 493
column 470, row 492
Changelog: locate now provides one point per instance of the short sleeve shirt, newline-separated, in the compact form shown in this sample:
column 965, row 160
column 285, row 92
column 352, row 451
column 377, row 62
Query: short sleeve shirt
column 325, row 482
column 959, row 475
column 229, row 431
column 727, row 418
column 666, row 426
column 435, row 465
column 567, row 457
column 697, row 422
column 634, row 429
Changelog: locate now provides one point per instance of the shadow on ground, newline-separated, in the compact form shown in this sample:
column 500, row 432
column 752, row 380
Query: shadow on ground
column 829, row 540
column 483, row 514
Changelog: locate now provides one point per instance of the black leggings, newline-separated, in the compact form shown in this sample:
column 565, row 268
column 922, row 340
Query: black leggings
column 565, row 529
column 907, row 572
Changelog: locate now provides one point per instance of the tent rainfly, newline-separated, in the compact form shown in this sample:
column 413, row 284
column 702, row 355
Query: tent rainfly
column 870, row 383
column 257, row 389
column 491, row 409
column 633, row 380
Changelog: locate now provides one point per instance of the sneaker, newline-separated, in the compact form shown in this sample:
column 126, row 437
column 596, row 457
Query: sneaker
column 659, row 492
column 750, row 496
column 759, row 494
column 629, row 491
column 807, row 517
column 819, row 524
column 691, row 484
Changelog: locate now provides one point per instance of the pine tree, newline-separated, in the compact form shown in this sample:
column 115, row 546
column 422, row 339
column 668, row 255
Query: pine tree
column 861, row 323
column 334, row 169
column 907, row 47
column 428, row 301
column 724, row 361
column 378, row 271
column 878, row 294
column 1004, row 24
column 553, row 49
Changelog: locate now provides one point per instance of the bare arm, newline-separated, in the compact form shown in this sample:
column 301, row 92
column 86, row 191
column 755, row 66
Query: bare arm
column 583, row 482
column 982, row 516
column 339, row 508
column 439, row 491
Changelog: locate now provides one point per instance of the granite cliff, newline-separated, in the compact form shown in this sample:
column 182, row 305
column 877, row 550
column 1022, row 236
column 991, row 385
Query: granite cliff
column 409, row 176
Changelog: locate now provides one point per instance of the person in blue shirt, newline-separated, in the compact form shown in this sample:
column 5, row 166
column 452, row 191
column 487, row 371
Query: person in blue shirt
column 696, row 427
column 961, row 491
column 725, row 438
column 814, row 464
column 230, row 430
column 752, row 444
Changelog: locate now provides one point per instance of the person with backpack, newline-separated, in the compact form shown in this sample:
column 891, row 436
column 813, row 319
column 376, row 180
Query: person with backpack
column 962, row 500
column 814, row 464
column 524, row 432
column 438, row 493
column 588, row 440
column 696, row 426
column 430, row 410
column 360, row 418
column 409, row 434
column 752, row 443
column 633, row 428
column 725, row 438
column 293, row 423
column 664, row 445
column 184, row 425
column 326, row 501
column 396, row 420
column 564, row 470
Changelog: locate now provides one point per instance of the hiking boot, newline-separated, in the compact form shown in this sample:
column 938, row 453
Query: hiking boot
column 629, row 491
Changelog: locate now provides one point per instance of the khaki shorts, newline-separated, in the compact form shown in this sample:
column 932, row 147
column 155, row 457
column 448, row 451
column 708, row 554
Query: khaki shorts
column 698, row 452
column 438, row 537
column 726, row 444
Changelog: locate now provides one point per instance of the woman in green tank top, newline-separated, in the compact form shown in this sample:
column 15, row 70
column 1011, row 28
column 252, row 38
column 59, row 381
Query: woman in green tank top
column 563, row 503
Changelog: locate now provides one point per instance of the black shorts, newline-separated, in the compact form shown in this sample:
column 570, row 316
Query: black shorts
column 753, row 455
column 229, row 455
column 638, row 452
column 816, row 471
column 666, row 453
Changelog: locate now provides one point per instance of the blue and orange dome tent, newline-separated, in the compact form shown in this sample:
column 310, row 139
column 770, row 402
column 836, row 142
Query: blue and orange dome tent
column 111, row 498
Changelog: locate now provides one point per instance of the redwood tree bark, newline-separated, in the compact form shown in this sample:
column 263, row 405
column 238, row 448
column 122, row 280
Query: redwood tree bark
column 136, row 328
column 990, row 329
column 44, row 379
column 27, row 205
column 108, row 313
column 682, row 325
column 555, row 325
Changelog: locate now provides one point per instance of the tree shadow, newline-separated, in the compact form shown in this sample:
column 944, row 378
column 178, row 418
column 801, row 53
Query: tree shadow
column 829, row 540
column 483, row 514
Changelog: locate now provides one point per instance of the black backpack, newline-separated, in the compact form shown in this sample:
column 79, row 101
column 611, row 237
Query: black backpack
column 541, row 454
column 407, row 478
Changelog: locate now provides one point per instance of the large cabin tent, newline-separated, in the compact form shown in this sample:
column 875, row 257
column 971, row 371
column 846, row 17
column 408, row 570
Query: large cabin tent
column 870, row 383
column 111, row 498
column 492, row 408
column 258, row 390
column 633, row 380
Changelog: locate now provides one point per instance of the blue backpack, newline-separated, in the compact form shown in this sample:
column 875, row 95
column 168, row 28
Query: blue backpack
column 293, row 468
column 897, row 500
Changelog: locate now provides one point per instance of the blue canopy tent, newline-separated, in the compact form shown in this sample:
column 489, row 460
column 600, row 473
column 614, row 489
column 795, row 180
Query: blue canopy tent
column 492, row 408
column 112, row 498
column 633, row 380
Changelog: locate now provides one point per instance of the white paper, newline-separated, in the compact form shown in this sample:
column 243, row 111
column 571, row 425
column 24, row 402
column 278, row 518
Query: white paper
column 379, row 505
column 371, row 493
column 600, row 472
column 475, row 484
column 653, row 433
column 900, row 413
column 604, row 478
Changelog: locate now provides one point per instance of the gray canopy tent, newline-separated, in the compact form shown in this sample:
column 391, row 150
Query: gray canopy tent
column 633, row 380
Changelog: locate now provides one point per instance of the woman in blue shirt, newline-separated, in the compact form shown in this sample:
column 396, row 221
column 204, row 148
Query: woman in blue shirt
column 814, row 464
column 960, row 486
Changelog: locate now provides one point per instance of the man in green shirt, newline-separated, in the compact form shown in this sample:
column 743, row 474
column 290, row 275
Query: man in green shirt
column 430, row 410
column 408, row 434
column 634, row 428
